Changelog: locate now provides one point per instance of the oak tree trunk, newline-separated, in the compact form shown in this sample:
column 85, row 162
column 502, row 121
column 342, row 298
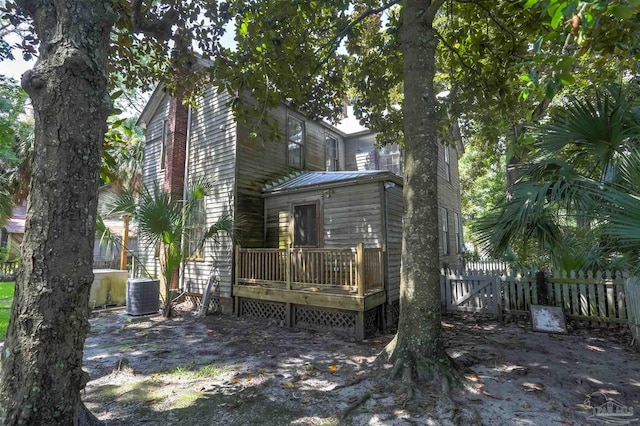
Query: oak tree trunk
column 42, row 372
column 417, row 350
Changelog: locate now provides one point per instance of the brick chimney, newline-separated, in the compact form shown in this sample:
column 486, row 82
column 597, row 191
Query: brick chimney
column 176, row 148
column 175, row 154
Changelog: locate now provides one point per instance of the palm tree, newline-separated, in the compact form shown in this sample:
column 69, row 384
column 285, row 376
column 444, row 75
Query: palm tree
column 161, row 222
column 580, row 198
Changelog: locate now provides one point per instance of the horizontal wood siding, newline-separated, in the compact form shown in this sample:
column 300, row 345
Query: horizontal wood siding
column 212, row 156
column 351, row 214
column 449, row 197
column 264, row 161
column 393, row 206
column 153, row 175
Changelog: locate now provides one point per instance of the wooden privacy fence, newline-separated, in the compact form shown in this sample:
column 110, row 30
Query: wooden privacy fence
column 583, row 295
column 357, row 269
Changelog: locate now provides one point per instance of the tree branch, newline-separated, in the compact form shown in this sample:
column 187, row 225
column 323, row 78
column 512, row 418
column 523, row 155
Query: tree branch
column 337, row 39
column 157, row 28
column 455, row 52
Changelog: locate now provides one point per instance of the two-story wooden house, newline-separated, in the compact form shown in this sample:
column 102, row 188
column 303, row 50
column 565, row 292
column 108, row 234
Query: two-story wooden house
column 321, row 208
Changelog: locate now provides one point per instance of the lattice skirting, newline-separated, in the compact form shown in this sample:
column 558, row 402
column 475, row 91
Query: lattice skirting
column 393, row 313
column 310, row 317
column 371, row 321
column 321, row 319
column 195, row 300
column 262, row 309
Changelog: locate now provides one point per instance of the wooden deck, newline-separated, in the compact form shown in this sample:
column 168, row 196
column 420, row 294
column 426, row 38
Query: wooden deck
column 335, row 287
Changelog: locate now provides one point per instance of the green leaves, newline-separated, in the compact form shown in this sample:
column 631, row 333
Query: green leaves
column 622, row 11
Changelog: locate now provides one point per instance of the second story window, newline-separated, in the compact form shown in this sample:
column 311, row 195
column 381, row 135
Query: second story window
column 163, row 144
column 457, row 223
column 445, row 230
column 390, row 158
column 295, row 142
column 447, row 163
column 331, row 153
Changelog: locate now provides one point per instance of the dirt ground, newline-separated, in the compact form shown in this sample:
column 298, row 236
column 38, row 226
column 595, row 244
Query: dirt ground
column 242, row 371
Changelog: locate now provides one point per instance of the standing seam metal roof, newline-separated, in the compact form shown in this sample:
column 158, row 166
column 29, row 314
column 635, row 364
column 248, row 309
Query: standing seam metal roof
column 304, row 179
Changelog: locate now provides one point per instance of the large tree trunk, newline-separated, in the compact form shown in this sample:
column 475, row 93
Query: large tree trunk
column 42, row 371
column 418, row 350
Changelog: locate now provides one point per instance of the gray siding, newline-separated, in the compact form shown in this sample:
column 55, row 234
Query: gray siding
column 153, row 175
column 349, row 215
column 360, row 154
column 449, row 198
column 212, row 156
column 263, row 161
column 393, row 209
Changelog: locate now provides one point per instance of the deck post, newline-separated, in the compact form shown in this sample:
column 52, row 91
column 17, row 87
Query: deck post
column 237, row 276
column 360, row 268
column 381, row 263
column 287, row 262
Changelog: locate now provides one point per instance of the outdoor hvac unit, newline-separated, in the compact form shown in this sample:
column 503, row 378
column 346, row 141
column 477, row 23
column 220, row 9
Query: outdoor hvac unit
column 143, row 296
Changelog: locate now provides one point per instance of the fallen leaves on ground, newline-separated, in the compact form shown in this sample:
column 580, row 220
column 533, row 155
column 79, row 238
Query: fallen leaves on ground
column 333, row 368
column 288, row 385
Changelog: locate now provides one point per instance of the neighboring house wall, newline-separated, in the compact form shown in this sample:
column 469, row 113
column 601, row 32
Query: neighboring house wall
column 449, row 199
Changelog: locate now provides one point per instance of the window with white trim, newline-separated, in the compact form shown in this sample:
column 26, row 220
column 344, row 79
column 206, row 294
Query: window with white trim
column 457, row 224
column 196, row 223
column 445, row 230
column 331, row 153
column 295, row 142
column 390, row 157
column 447, row 163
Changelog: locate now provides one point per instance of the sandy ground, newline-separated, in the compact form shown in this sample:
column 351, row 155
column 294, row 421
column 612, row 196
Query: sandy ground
column 230, row 371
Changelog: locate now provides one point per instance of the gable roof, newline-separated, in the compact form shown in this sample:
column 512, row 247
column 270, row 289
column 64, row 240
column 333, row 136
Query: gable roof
column 320, row 180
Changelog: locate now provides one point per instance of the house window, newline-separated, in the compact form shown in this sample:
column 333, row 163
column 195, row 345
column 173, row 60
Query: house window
column 457, row 223
column 390, row 158
column 445, row 230
column 196, row 223
column 163, row 144
column 305, row 225
column 295, row 142
column 4, row 238
column 447, row 163
column 331, row 153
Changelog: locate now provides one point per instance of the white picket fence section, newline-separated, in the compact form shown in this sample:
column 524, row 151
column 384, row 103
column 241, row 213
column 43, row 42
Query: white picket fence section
column 584, row 296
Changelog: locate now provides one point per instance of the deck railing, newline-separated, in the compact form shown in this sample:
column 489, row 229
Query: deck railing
column 357, row 269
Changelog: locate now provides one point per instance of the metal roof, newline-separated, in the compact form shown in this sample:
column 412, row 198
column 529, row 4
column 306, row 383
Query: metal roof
column 307, row 180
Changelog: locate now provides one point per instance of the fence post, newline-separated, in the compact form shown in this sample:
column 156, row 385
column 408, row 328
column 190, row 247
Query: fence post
column 360, row 268
column 497, row 297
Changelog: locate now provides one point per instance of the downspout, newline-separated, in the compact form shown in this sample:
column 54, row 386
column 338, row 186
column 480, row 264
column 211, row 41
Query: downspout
column 185, row 189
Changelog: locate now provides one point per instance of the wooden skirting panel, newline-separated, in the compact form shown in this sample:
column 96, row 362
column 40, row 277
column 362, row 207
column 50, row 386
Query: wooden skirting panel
column 356, row 324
